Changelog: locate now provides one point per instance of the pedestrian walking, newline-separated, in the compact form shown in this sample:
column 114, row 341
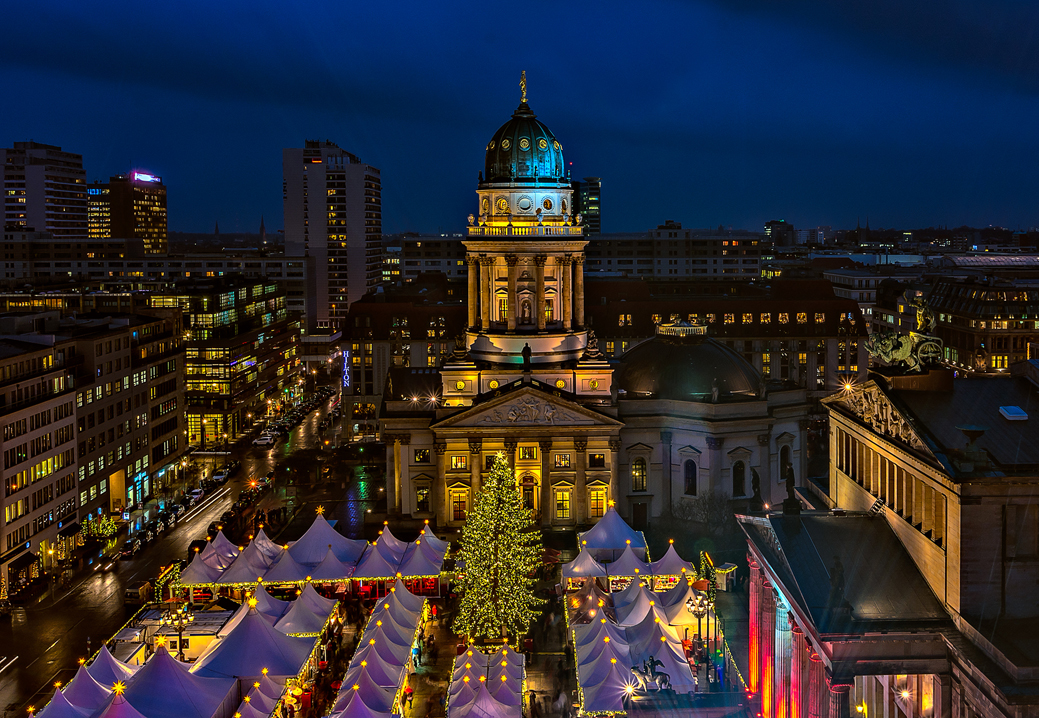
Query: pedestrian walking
column 415, row 656
column 409, row 696
column 418, row 648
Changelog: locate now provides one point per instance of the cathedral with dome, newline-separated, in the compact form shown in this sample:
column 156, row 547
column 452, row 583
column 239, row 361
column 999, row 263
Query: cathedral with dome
column 677, row 418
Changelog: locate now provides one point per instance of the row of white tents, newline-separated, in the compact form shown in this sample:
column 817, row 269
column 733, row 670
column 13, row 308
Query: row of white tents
column 487, row 685
column 266, row 643
column 321, row 554
column 379, row 669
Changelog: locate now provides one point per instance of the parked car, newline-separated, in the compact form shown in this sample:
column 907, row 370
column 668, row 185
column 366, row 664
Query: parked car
column 233, row 467
column 176, row 510
column 137, row 594
column 263, row 440
column 130, row 547
column 197, row 494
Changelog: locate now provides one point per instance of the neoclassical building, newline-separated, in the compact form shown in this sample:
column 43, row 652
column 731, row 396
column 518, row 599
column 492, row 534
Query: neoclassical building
column 680, row 416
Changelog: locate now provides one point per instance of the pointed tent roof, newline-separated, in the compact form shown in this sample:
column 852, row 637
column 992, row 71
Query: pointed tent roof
column 120, row 708
column 315, row 601
column 583, row 566
column 627, row 565
column 484, row 705
column 356, row 708
column 85, row 692
column 612, row 532
column 593, row 652
column 631, row 614
column 221, row 546
column 106, row 669
column 165, row 688
column 270, row 549
column 645, row 638
column 301, row 621
column 385, row 628
column 439, row 544
column 270, row 687
column 286, row 570
column 331, row 568
column 368, row 692
column 387, row 651
column 676, row 666
column 608, row 695
column 253, row 645
column 261, row 700
column 375, row 565
column 417, row 562
column 198, row 572
column 586, row 634
column 392, row 542
column 409, row 600
column 312, row 545
column 250, row 565
column 626, row 595
column 384, row 674
column 671, row 564
column 248, row 710
column 59, row 707
column 678, row 594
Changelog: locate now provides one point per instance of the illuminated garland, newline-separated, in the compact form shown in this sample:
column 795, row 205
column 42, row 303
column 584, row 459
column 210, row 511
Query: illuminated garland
column 500, row 551
column 707, row 573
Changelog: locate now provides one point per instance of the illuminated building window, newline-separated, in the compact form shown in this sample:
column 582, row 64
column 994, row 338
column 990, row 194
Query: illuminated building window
column 422, row 498
column 597, row 502
column 638, row 474
column 624, row 320
column 766, row 318
column 710, row 318
column 421, row 456
column 563, row 504
column 730, row 318
column 503, row 309
column 528, row 453
column 596, row 461
column 820, row 317
column 766, row 364
column 549, row 311
column 460, row 462
column 802, row 318
column 609, row 347
column 562, row 461
column 748, row 318
column 998, row 361
column 459, row 504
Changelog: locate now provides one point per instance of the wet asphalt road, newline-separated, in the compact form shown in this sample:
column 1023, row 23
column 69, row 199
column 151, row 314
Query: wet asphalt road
column 42, row 641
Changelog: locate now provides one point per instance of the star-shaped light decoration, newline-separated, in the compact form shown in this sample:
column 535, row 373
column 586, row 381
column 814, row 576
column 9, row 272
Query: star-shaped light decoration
column 119, row 688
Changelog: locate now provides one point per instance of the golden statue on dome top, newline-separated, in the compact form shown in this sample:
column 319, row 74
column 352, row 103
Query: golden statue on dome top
column 523, row 85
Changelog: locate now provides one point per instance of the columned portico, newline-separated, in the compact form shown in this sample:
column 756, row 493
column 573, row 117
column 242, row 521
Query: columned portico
column 486, row 282
column 565, row 265
column 539, row 287
column 579, row 289
column 512, row 300
column 473, row 270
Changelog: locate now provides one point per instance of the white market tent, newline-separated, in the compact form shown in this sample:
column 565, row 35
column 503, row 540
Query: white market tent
column 249, row 567
column 312, row 545
column 86, row 693
column 331, row 568
column 199, row 572
column 368, row 692
column 121, row 708
column 165, row 688
column 632, row 613
column 628, row 565
column 301, row 620
column 610, row 536
column 584, row 566
column 671, row 564
column 286, row 570
column 107, row 670
column 384, row 674
column 252, row 646
column 221, row 548
column 486, row 684
column 59, row 707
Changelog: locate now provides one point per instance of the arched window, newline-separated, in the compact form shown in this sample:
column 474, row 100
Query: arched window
column 638, row 474
column 690, row 477
column 739, row 479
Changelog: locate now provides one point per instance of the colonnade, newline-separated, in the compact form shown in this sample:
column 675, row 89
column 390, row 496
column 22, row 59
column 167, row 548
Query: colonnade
column 482, row 271
column 785, row 670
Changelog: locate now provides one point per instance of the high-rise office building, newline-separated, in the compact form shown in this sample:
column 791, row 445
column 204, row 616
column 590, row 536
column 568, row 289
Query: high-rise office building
column 333, row 216
column 45, row 189
column 130, row 206
column 587, row 203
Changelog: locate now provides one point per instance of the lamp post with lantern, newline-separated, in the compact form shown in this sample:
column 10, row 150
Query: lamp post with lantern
column 179, row 620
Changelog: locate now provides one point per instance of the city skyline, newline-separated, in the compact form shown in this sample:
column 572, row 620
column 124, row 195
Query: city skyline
column 733, row 114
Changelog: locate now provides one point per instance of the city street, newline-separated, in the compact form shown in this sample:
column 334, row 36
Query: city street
column 42, row 641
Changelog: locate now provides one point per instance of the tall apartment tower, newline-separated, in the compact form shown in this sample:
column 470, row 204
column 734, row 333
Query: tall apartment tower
column 46, row 189
column 587, row 203
column 333, row 217
column 130, row 206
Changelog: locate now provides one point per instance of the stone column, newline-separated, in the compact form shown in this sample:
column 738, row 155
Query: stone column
column 942, row 695
column 816, row 685
column 545, row 447
column 755, row 627
column 798, row 672
column 615, row 470
column 473, row 267
column 513, row 313
column 768, row 650
column 486, row 293
column 510, row 454
column 840, row 698
column 665, row 458
column 580, row 486
column 782, row 680
column 396, row 439
column 568, row 305
column 579, row 290
column 539, row 275
column 714, row 455
column 439, row 487
column 475, row 447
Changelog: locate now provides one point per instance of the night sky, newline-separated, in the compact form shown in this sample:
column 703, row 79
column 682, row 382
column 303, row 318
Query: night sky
column 912, row 113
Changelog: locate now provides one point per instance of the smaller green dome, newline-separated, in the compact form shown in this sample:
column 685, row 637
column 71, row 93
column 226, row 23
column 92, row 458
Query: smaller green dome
column 524, row 150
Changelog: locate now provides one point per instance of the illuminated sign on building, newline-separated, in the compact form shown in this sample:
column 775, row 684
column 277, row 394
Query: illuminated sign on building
column 346, row 369
column 144, row 177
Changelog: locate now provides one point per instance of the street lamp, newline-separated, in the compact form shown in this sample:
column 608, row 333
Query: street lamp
column 698, row 607
column 179, row 620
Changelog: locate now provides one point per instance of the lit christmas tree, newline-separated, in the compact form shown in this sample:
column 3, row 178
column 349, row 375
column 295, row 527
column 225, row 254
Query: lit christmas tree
column 500, row 552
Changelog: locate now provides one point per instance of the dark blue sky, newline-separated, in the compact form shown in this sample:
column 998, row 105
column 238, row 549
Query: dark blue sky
column 913, row 113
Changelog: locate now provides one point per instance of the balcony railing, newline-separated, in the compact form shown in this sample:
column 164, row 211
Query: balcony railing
column 526, row 231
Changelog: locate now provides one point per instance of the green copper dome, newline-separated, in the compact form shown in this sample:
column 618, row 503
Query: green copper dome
column 524, row 150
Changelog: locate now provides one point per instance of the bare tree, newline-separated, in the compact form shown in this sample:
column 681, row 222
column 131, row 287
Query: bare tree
column 712, row 510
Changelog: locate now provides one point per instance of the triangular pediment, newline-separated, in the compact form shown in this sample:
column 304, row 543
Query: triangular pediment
column 873, row 407
column 526, row 407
